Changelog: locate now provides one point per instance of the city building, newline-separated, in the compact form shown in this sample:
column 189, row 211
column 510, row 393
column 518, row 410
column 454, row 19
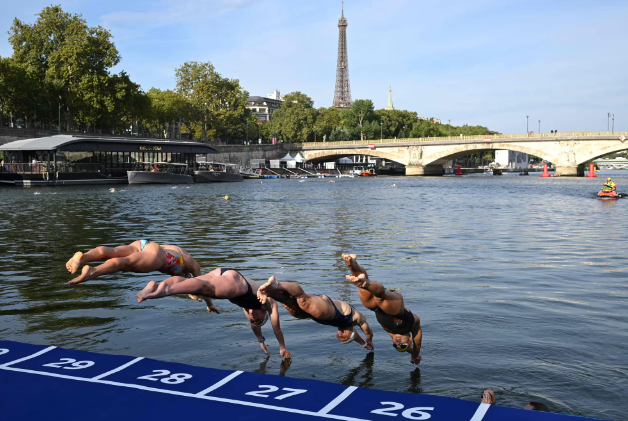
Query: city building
column 511, row 159
column 275, row 95
column 264, row 107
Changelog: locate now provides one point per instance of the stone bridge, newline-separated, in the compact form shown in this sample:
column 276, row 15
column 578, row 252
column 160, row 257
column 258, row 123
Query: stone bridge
column 426, row 156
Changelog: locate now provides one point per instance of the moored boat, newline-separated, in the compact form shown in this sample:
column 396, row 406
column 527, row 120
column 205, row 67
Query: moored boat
column 160, row 173
column 368, row 173
column 212, row 172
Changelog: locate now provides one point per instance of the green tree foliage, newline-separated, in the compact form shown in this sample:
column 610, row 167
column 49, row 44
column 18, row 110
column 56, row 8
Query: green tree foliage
column 339, row 134
column 294, row 121
column 65, row 55
column 218, row 103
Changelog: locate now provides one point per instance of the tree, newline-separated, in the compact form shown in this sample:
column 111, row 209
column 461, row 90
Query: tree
column 339, row 134
column 362, row 110
column 327, row 120
column 214, row 100
column 295, row 119
column 61, row 51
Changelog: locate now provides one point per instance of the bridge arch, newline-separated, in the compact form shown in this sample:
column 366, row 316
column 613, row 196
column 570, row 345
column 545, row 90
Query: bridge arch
column 440, row 157
column 333, row 154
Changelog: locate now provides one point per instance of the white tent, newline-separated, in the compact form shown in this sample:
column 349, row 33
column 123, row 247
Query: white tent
column 299, row 158
column 287, row 158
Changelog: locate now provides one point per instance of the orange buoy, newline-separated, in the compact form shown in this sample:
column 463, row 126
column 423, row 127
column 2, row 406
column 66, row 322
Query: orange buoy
column 591, row 171
column 458, row 172
column 545, row 174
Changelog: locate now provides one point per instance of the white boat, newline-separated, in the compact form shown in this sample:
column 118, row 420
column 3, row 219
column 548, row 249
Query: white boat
column 488, row 171
column 160, row 173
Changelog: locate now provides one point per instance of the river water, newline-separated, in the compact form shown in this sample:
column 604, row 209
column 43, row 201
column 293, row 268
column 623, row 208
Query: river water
column 520, row 282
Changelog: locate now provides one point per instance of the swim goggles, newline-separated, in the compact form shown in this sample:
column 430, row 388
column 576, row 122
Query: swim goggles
column 403, row 347
column 259, row 322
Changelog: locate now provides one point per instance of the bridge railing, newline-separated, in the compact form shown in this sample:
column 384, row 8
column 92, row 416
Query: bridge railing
column 473, row 137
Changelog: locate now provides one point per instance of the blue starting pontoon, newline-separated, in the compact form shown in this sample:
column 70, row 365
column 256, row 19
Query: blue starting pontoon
column 50, row 383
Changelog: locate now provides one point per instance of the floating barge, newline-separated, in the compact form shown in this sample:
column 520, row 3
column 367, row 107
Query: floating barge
column 49, row 383
column 66, row 159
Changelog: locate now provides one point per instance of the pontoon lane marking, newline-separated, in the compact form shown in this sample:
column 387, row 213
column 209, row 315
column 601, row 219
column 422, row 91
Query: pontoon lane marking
column 480, row 412
column 331, row 405
column 220, row 383
column 43, row 351
column 173, row 392
column 115, row 370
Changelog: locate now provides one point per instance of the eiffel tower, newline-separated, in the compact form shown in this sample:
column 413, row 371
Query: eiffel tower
column 342, row 94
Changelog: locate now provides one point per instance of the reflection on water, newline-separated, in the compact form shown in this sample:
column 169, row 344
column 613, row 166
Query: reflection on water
column 519, row 281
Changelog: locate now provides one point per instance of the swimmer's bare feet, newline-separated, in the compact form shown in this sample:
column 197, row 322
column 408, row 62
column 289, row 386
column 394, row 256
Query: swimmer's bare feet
column 358, row 281
column 268, row 286
column 74, row 263
column 148, row 289
column 352, row 263
column 194, row 297
column 86, row 275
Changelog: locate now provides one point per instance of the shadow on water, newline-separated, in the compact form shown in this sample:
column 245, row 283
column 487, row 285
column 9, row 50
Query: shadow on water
column 365, row 368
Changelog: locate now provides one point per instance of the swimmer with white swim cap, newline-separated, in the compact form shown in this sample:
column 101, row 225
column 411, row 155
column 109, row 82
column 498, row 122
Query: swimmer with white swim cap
column 403, row 327
column 224, row 284
column 320, row 308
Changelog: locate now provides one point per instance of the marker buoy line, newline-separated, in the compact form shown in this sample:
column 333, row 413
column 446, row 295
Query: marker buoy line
column 591, row 171
column 545, row 174
column 458, row 172
column 48, row 383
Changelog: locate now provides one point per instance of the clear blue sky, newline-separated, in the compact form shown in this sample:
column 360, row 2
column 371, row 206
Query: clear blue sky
column 476, row 62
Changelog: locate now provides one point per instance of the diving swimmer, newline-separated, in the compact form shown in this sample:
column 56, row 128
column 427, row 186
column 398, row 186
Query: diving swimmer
column 320, row 308
column 224, row 284
column 141, row 256
column 403, row 327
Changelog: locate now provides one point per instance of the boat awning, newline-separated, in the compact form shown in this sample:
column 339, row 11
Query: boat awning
column 88, row 143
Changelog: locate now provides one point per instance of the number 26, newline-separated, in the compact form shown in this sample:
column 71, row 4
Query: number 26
column 410, row 413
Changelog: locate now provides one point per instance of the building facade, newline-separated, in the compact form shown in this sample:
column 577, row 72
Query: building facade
column 264, row 107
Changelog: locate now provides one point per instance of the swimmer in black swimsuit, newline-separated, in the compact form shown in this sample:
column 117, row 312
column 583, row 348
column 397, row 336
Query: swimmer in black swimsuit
column 228, row 285
column 403, row 327
column 320, row 308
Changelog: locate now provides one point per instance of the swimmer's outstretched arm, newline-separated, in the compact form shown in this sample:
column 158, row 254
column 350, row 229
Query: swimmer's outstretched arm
column 360, row 320
column 275, row 323
column 417, row 338
column 354, row 267
column 257, row 331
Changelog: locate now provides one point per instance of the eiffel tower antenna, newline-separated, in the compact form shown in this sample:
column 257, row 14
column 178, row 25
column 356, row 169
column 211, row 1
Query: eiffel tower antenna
column 342, row 93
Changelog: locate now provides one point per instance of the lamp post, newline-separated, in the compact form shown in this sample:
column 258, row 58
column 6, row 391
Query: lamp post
column 613, row 125
column 449, row 123
column 314, row 134
column 527, row 124
column 539, row 126
column 59, row 115
column 247, row 132
column 608, row 122
column 259, row 130
column 404, row 132
column 381, row 130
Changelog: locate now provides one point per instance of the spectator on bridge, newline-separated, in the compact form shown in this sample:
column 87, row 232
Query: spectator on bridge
column 488, row 396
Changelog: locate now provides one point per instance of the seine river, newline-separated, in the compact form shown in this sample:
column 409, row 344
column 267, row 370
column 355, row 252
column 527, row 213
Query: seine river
column 520, row 282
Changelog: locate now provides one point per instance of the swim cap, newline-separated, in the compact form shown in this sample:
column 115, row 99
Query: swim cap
column 351, row 339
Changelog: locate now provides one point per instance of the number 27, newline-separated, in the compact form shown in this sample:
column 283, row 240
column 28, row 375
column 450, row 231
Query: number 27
column 270, row 389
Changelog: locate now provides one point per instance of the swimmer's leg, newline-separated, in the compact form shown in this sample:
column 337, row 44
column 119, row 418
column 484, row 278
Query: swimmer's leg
column 152, row 290
column 100, row 253
column 149, row 260
column 354, row 267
